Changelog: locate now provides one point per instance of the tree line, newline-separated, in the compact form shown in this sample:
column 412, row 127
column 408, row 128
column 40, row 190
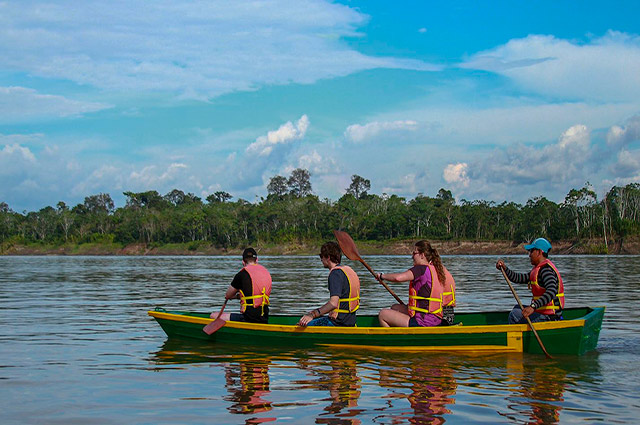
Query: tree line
column 291, row 212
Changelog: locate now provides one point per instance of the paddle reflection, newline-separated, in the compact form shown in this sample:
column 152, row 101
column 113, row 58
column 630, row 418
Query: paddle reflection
column 431, row 384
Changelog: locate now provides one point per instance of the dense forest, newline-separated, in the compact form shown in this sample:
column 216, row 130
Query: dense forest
column 291, row 212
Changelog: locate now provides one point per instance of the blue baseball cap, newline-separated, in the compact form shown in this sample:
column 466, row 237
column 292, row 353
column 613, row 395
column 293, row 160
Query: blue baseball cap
column 540, row 243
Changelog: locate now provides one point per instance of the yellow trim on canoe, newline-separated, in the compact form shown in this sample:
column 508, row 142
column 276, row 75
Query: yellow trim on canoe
column 422, row 348
column 540, row 326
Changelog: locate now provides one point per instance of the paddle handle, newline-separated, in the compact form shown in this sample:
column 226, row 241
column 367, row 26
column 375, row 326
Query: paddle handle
column 381, row 281
column 515, row 295
column 222, row 309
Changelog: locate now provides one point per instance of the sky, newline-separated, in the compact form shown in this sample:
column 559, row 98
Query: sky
column 496, row 100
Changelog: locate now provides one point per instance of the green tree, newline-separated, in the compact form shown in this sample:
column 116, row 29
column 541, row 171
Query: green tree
column 359, row 186
column 299, row 183
column 277, row 186
column 219, row 197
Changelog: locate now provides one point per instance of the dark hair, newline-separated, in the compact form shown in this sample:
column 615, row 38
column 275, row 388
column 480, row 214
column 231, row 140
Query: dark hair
column 249, row 254
column 331, row 250
column 433, row 257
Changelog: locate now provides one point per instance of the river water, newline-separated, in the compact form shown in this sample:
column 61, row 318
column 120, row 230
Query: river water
column 77, row 347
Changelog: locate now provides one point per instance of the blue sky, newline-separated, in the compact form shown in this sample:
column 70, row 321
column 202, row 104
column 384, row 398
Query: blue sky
column 491, row 100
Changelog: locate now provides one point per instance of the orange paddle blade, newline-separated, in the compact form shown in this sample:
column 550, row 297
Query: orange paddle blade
column 214, row 326
column 347, row 245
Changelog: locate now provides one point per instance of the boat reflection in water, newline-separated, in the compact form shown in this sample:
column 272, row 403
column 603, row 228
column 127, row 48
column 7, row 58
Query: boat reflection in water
column 324, row 386
column 538, row 385
column 339, row 378
column 427, row 383
column 248, row 385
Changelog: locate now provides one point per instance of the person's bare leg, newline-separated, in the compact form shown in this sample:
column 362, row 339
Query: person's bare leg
column 223, row 316
column 392, row 317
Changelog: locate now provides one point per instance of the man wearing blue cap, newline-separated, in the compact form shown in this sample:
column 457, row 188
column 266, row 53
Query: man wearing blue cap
column 545, row 283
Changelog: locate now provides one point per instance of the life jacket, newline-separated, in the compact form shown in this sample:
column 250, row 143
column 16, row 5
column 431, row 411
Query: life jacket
column 260, row 285
column 431, row 304
column 354, row 290
column 538, row 291
column 449, row 290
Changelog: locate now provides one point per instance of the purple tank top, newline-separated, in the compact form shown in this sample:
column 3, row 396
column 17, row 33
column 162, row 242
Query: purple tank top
column 422, row 285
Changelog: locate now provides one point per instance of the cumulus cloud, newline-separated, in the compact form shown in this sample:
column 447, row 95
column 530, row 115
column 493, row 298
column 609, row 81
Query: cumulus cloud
column 606, row 68
column 15, row 151
column 567, row 163
column 622, row 136
column 627, row 165
column 287, row 133
column 152, row 176
column 316, row 164
column 360, row 133
column 21, row 104
column 456, row 174
column 197, row 49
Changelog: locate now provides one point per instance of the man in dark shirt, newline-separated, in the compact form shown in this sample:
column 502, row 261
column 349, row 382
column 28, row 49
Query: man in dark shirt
column 252, row 285
column 548, row 288
column 344, row 292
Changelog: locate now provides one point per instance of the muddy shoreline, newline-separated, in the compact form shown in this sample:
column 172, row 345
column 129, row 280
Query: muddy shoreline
column 595, row 246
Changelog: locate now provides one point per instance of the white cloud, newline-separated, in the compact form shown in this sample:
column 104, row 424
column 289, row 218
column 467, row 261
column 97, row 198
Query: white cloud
column 456, row 174
column 21, row 104
column 316, row 164
column 360, row 133
column 197, row 49
column 604, row 69
column 151, row 176
column 627, row 165
column 287, row 133
column 515, row 172
column 622, row 136
column 15, row 151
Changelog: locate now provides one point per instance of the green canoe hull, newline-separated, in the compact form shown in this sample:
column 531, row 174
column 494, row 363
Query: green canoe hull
column 475, row 332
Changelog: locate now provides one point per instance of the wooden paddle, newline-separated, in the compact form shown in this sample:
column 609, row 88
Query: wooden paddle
column 216, row 324
column 348, row 246
column 513, row 291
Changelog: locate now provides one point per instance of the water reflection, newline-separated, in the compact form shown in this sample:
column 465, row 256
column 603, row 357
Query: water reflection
column 86, row 316
column 539, row 386
column 431, row 384
column 343, row 385
column 248, row 386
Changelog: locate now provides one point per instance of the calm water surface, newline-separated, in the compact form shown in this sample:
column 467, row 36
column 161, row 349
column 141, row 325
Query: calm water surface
column 77, row 347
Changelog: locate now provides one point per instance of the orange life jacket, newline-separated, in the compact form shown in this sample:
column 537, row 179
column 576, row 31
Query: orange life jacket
column 449, row 290
column 260, row 285
column 434, row 299
column 538, row 290
column 354, row 290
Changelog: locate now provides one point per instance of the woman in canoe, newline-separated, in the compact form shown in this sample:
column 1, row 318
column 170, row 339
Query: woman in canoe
column 431, row 291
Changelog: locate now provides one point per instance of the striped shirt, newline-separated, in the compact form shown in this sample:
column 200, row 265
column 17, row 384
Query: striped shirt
column 547, row 279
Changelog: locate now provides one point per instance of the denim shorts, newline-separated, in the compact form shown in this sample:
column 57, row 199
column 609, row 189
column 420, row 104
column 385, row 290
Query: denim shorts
column 321, row 321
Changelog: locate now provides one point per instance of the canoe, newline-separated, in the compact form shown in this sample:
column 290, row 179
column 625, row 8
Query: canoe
column 473, row 332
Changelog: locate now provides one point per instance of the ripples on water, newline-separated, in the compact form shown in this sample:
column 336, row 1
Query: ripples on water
column 76, row 346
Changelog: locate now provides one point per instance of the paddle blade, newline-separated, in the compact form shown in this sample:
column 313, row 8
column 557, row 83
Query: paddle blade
column 214, row 326
column 347, row 245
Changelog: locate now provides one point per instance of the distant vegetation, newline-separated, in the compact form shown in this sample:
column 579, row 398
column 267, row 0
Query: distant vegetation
column 292, row 213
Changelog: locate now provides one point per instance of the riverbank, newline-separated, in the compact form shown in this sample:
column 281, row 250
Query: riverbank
column 627, row 247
